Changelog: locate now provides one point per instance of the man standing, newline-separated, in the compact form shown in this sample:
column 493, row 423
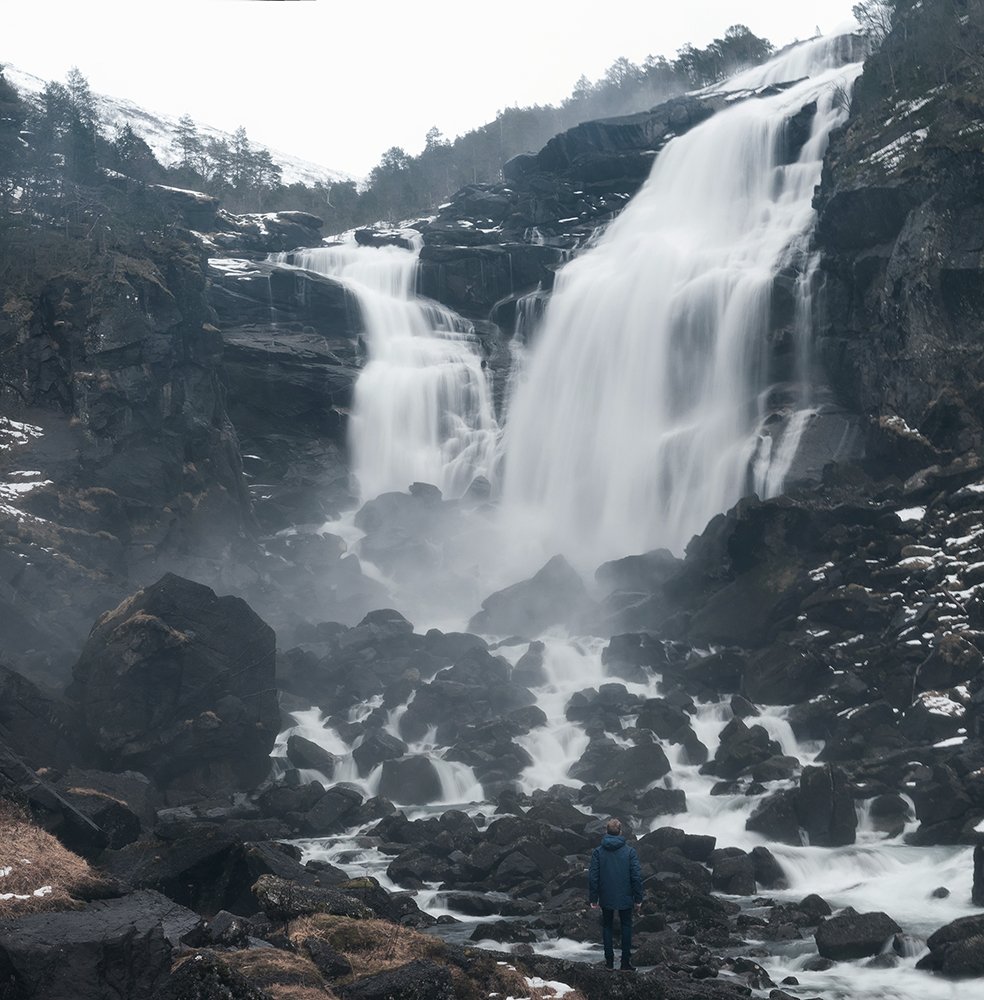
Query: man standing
column 615, row 880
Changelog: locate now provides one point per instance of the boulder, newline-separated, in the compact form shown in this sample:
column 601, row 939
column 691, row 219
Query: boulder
column 282, row 900
column 412, row 780
column 179, row 684
column 825, row 807
column 553, row 596
column 740, row 748
column 119, row 947
column 957, row 949
column 850, row 934
column 376, row 747
column 305, row 753
column 418, row 980
column 205, row 976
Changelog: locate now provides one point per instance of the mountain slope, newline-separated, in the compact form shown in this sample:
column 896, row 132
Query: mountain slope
column 160, row 132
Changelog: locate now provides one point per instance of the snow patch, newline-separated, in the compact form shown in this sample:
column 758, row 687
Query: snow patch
column 911, row 513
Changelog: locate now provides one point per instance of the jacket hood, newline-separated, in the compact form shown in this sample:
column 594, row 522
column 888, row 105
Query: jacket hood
column 612, row 843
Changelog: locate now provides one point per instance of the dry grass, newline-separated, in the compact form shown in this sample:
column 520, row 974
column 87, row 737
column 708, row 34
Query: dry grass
column 371, row 946
column 284, row 975
column 33, row 861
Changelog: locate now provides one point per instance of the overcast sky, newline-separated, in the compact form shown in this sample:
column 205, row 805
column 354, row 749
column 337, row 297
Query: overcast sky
column 340, row 81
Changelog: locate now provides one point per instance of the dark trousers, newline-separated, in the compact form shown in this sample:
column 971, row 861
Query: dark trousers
column 607, row 935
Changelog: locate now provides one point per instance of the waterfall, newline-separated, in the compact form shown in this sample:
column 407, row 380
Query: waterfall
column 422, row 409
column 642, row 412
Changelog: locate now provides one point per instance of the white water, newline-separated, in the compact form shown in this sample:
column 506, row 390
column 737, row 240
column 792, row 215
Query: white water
column 422, row 409
column 641, row 415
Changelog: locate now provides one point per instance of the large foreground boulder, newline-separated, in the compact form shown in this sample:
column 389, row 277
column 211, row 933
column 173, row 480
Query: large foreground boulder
column 179, row 684
column 118, row 948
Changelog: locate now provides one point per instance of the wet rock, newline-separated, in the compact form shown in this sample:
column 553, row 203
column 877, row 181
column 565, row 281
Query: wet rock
column 305, row 753
column 734, row 873
column 553, row 596
column 635, row 767
column 958, row 948
column 504, row 931
column 529, row 669
column 741, row 747
column 889, row 814
column 776, row 817
column 413, row 780
column 850, row 934
column 376, row 747
column 331, row 812
column 825, row 806
column 768, row 872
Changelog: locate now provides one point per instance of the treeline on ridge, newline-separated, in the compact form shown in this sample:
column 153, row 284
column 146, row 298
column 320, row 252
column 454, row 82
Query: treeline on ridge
column 54, row 157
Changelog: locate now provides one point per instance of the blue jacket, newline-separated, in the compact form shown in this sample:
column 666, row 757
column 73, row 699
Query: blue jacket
column 614, row 877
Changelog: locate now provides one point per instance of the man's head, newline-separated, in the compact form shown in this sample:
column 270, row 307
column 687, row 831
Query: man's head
column 614, row 827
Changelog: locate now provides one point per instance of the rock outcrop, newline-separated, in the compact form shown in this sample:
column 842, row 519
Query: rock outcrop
column 179, row 684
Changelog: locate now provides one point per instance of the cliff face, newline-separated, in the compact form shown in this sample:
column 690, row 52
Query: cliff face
column 901, row 229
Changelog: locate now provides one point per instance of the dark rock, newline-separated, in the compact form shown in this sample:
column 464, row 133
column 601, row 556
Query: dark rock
column 332, row 812
column 120, row 947
column 635, row 767
column 330, row 963
column 418, row 980
column 850, row 934
column 49, row 809
column 553, row 596
column 204, row 976
column 229, row 930
column 38, row 727
column 776, row 817
column 825, row 807
column 195, row 705
column 413, row 780
column 815, row 907
column 977, row 895
column 281, row 899
column 734, row 875
column 304, row 753
column 740, row 748
column 376, row 747
column 768, row 872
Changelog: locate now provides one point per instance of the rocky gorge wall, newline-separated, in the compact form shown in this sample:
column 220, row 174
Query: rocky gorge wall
column 901, row 231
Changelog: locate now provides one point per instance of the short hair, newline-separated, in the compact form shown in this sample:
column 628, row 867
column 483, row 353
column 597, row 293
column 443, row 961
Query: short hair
column 614, row 826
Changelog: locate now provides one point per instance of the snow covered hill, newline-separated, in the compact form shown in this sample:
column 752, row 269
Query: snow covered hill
column 160, row 131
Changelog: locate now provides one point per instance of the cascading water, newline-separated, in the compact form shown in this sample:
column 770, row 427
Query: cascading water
column 422, row 409
column 639, row 418
column 641, row 415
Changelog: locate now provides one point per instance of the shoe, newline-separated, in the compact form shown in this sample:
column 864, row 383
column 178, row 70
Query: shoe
column 627, row 966
column 610, row 964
